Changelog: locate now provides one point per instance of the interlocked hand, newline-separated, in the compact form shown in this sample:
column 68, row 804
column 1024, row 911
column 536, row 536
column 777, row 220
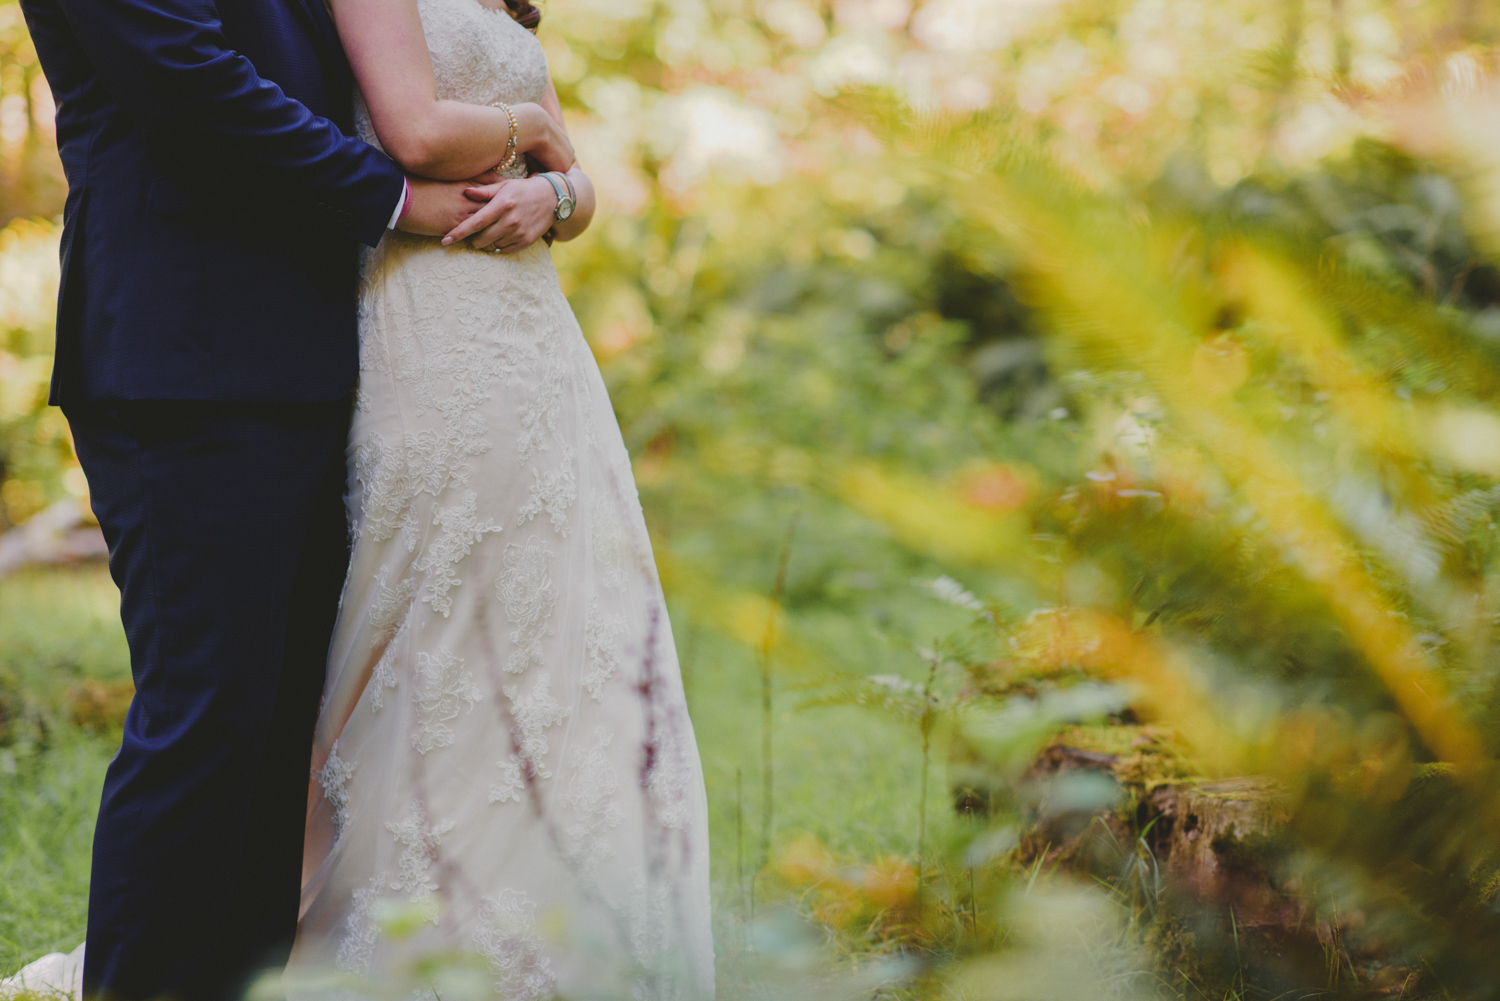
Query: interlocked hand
column 520, row 212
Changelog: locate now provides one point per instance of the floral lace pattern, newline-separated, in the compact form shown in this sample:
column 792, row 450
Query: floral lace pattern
column 512, row 784
column 528, row 595
column 610, row 545
column 504, row 735
column 333, row 778
column 539, row 413
column 419, row 841
column 533, row 714
column 388, row 608
column 443, row 692
column 461, row 529
column 554, row 493
column 357, row 948
column 600, row 636
column 593, row 793
column 507, row 936
column 384, row 674
column 670, row 782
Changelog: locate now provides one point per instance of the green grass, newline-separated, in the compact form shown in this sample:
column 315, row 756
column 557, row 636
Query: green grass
column 847, row 775
column 61, row 625
column 57, row 627
column 46, row 827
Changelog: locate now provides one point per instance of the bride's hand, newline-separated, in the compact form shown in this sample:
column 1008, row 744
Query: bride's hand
column 519, row 212
column 542, row 137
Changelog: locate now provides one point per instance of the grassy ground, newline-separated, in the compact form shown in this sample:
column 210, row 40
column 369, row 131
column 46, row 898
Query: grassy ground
column 47, row 815
column 58, row 629
column 844, row 775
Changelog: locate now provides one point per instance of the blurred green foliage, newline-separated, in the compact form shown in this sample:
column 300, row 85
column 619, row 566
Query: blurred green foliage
column 36, row 458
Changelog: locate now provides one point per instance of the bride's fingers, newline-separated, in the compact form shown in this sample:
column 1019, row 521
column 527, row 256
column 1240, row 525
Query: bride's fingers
column 476, row 222
column 484, row 238
column 498, row 233
column 510, row 241
column 519, row 241
column 483, row 193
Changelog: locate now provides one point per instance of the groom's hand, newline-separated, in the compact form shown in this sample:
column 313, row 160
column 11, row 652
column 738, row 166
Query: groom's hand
column 436, row 207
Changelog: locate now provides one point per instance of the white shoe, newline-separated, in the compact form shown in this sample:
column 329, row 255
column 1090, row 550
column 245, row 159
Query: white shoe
column 54, row 975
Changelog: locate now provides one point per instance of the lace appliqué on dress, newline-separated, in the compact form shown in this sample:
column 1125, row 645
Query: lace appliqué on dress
column 553, row 493
column 357, row 949
column 443, row 690
column 668, row 782
column 381, row 474
column 609, row 541
column 384, row 675
column 334, row 778
column 593, row 793
column 419, row 841
column 599, row 638
column 526, row 590
column 388, row 607
column 533, row 714
column 392, row 477
column 508, row 938
column 539, row 414
column 651, row 936
column 461, row 529
column 512, row 784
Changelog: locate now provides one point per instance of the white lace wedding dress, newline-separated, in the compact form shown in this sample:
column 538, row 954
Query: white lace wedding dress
column 504, row 760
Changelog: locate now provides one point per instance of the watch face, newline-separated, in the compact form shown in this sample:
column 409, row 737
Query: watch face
column 564, row 209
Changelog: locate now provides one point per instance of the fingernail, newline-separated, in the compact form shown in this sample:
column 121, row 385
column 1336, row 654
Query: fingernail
column 447, row 240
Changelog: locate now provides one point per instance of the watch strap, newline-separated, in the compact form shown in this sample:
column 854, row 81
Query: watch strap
column 558, row 188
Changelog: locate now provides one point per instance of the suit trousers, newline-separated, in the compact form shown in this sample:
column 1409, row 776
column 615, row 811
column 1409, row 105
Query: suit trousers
column 228, row 540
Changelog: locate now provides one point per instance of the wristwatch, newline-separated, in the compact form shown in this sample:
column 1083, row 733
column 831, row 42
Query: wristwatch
column 565, row 201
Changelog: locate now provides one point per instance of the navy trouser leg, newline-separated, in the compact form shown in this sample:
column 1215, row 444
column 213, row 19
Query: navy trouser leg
column 227, row 539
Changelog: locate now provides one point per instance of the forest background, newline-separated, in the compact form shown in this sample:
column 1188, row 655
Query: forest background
column 1068, row 432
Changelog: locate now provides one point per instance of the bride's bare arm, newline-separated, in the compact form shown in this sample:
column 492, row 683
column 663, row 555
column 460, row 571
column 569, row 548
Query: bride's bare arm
column 445, row 140
column 520, row 211
column 583, row 188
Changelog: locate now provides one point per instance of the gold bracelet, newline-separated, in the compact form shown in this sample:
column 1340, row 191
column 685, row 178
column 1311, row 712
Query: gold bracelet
column 510, row 146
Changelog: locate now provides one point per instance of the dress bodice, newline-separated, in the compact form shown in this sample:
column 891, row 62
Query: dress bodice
column 480, row 55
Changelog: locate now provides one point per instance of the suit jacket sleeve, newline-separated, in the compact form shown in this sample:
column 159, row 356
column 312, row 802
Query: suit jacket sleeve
column 167, row 64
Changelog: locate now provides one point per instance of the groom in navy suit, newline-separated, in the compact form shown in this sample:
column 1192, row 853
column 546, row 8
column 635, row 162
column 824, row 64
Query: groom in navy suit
column 206, row 352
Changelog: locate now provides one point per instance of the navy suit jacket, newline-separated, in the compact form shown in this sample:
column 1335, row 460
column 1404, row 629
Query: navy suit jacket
column 211, row 231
